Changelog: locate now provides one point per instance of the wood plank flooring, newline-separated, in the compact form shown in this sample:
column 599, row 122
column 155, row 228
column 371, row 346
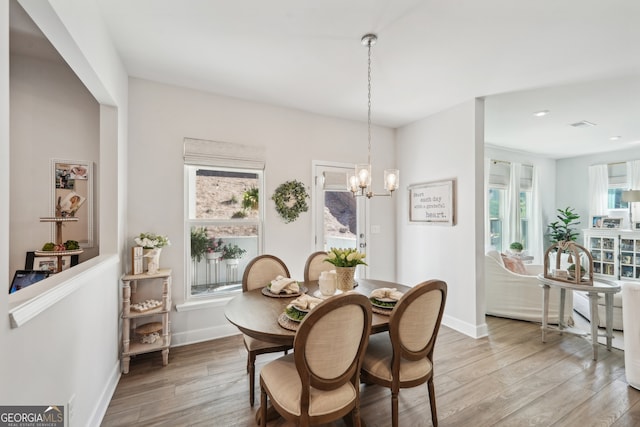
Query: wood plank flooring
column 509, row 379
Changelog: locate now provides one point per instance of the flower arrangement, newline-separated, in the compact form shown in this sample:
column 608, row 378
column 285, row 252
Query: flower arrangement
column 232, row 251
column 348, row 257
column 214, row 245
column 152, row 240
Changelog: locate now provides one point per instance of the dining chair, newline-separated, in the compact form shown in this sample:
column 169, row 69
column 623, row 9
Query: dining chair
column 315, row 265
column 320, row 381
column 403, row 358
column 259, row 272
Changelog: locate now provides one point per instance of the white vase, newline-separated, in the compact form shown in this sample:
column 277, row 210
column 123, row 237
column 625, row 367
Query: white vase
column 153, row 260
column 214, row 255
column 233, row 261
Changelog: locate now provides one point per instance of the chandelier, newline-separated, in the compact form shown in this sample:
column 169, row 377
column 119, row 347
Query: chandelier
column 360, row 182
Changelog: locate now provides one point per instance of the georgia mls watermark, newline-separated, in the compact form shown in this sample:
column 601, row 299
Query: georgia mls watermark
column 32, row 416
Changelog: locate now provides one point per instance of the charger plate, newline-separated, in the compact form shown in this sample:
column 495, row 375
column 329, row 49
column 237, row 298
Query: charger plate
column 383, row 311
column 287, row 323
column 266, row 292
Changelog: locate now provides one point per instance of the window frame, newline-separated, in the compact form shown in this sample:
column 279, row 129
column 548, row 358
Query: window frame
column 189, row 222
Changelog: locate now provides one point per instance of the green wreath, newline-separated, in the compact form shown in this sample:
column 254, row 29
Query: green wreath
column 291, row 200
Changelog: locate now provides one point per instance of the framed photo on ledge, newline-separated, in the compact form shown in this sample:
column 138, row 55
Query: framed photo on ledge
column 611, row 223
column 596, row 221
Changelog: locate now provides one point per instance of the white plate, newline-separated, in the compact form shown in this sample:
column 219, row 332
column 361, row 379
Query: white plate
column 318, row 294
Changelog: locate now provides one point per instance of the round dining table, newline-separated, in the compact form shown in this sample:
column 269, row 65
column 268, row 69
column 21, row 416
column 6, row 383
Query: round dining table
column 256, row 314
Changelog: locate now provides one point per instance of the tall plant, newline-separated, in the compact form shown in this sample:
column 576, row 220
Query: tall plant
column 563, row 229
column 199, row 243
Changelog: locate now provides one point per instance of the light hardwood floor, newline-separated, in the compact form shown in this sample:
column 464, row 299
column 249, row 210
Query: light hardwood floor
column 509, row 379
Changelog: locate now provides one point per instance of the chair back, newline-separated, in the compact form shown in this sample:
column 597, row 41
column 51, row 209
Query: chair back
column 415, row 321
column 330, row 343
column 315, row 265
column 261, row 271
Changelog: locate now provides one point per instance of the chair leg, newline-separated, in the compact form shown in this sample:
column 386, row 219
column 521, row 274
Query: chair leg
column 252, row 375
column 394, row 408
column 263, row 407
column 432, row 402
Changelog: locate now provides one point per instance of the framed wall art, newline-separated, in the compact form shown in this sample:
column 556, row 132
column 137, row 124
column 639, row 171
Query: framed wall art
column 72, row 196
column 432, row 203
column 596, row 221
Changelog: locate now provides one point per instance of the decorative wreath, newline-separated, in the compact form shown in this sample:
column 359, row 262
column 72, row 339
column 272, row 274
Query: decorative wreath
column 291, row 199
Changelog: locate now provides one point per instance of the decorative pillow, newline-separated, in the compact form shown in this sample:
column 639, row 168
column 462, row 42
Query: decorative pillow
column 514, row 264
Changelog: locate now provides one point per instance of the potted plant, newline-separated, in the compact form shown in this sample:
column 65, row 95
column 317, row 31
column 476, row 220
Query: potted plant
column 516, row 247
column 250, row 199
column 214, row 248
column 199, row 243
column 571, row 270
column 563, row 229
column 232, row 253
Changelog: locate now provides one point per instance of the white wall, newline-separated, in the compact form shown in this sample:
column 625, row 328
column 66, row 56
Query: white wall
column 71, row 348
column 162, row 115
column 573, row 180
column 446, row 145
column 53, row 116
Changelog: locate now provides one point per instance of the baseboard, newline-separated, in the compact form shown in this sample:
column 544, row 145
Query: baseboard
column 468, row 329
column 204, row 334
column 105, row 399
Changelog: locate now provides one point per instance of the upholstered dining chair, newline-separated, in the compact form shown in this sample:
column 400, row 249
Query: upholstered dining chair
column 259, row 272
column 315, row 265
column 403, row 358
column 320, row 381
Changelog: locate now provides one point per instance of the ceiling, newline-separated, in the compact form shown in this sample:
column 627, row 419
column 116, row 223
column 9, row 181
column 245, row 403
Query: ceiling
column 576, row 58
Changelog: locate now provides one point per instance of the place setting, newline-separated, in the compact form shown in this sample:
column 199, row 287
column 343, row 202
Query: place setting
column 383, row 300
column 296, row 311
column 284, row 287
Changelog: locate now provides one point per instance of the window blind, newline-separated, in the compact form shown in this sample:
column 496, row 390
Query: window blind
column 201, row 152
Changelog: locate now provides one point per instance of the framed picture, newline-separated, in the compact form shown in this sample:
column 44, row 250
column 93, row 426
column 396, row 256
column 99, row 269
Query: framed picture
column 611, row 223
column 48, row 263
column 72, row 191
column 432, row 202
column 596, row 221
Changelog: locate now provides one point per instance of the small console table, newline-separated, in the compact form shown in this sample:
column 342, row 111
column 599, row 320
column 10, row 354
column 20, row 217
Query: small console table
column 58, row 254
column 602, row 286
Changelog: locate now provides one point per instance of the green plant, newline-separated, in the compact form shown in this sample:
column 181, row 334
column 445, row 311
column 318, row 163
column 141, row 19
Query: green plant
column 199, row 243
column 563, row 229
column 516, row 246
column 345, row 257
column 250, row 199
column 214, row 245
column 230, row 251
column 572, row 270
column 239, row 215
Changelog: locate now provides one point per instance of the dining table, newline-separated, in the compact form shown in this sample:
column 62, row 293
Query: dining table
column 256, row 313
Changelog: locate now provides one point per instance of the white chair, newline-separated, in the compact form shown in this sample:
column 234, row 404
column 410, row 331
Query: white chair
column 519, row 296
column 631, row 321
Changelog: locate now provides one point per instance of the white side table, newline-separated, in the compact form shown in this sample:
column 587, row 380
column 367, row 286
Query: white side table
column 605, row 287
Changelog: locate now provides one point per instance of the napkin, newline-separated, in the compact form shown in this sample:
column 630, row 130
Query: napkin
column 390, row 293
column 305, row 302
column 286, row 284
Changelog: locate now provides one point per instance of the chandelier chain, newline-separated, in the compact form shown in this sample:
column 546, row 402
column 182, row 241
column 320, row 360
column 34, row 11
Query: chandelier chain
column 369, row 101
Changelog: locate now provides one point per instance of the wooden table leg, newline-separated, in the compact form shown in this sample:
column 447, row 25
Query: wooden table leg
column 561, row 325
column 545, row 310
column 593, row 314
column 608, row 299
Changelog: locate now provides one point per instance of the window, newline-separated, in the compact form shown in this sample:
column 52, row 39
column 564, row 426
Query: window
column 224, row 215
column 224, row 223
column 618, row 183
column 499, row 212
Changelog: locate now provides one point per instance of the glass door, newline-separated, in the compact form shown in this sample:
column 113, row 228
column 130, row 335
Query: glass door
column 339, row 217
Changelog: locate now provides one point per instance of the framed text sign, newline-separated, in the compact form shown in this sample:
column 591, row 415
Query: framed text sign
column 432, row 202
